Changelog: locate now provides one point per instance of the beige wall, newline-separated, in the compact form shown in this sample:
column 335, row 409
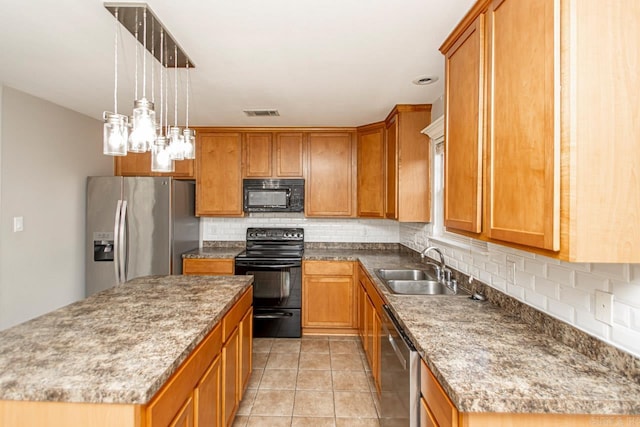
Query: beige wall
column 46, row 153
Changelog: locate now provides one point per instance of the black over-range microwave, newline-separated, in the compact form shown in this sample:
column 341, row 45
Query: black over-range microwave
column 273, row 195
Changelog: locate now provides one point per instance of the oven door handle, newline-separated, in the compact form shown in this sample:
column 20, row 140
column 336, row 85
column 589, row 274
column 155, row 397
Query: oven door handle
column 266, row 265
column 275, row 315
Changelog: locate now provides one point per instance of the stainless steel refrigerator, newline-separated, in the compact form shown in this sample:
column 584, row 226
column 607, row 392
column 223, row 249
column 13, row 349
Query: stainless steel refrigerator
column 137, row 226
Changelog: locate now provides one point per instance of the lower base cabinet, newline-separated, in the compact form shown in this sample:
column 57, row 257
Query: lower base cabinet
column 230, row 376
column 207, row 395
column 369, row 324
column 328, row 295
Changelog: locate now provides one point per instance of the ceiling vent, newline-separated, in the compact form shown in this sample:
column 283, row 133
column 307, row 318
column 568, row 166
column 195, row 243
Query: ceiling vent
column 261, row 113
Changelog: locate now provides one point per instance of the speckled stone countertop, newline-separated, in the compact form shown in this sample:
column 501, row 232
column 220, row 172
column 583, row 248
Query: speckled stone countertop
column 118, row 346
column 490, row 361
column 209, row 252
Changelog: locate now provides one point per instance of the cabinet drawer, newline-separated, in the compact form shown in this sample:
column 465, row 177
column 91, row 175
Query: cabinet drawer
column 206, row 267
column 328, row 268
column 235, row 315
column 166, row 405
column 438, row 403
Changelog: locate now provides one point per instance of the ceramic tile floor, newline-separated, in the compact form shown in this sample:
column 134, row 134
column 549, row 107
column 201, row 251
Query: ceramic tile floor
column 311, row 381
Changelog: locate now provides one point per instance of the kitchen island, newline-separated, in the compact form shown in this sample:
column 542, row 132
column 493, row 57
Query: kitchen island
column 110, row 354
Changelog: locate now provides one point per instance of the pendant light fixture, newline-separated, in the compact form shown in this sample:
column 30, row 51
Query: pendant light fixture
column 160, row 158
column 189, row 135
column 140, row 132
column 143, row 129
column 175, row 136
column 116, row 126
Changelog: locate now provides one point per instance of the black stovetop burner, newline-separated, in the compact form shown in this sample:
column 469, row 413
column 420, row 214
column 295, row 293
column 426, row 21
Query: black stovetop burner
column 274, row 243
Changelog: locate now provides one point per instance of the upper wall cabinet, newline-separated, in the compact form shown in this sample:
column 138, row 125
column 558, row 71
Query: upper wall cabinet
column 219, row 177
column 408, row 191
column 464, row 65
column 139, row 164
column 371, row 171
column 273, row 155
column 329, row 186
column 561, row 166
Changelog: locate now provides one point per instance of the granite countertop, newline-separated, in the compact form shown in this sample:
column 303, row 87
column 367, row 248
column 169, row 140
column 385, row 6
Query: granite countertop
column 490, row 361
column 217, row 252
column 118, row 346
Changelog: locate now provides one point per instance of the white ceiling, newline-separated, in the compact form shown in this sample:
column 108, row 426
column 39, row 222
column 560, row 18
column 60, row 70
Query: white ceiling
column 320, row 63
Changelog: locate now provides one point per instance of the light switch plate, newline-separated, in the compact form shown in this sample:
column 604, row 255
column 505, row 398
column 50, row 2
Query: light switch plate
column 604, row 307
column 18, row 224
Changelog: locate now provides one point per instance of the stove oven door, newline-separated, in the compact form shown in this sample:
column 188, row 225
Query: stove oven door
column 277, row 296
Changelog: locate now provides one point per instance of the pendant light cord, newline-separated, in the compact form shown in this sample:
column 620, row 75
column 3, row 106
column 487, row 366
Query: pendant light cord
column 188, row 87
column 144, row 54
column 115, row 85
column 175, row 76
column 137, row 49
column 161, row 78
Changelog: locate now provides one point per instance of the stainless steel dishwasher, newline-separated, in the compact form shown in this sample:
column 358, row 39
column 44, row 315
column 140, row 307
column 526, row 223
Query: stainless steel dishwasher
column 400, row 370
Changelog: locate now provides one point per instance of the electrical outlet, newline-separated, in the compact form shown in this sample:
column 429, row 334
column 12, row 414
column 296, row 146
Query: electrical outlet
column 511, row 272
column 604, row 307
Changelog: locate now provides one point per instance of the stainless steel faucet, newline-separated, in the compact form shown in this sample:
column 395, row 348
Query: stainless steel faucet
column 443, row 273
column 433, row 248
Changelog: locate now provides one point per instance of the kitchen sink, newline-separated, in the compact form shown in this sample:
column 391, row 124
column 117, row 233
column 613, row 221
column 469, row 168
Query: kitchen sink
column 410, row 275
column 418, row 287
column 414, row 282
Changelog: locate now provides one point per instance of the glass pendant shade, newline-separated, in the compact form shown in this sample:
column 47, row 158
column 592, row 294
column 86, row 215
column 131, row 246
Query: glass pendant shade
column 143, row 130
column 176, row 142
column 189, row 136
column 116, row 131
column 160, row 158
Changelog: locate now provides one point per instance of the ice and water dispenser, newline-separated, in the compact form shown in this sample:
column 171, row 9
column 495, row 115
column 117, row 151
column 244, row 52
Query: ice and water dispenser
column 103, row 246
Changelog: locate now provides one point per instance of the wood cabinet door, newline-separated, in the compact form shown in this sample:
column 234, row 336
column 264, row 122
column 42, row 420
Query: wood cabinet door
column 376, row 358
column 327, row 302
column 289, row 155
column 464, row 130
column 184, row 418
column 208, row 267
column 207, row 396
column 139, row 164
column 133, row 164
column 258, row 151
column 369, row 313
column 329, row 184
column 391, row 160
column 230, row 377
column 523, row 142
column 371, row 172
column 246, row 349
column 219, row 174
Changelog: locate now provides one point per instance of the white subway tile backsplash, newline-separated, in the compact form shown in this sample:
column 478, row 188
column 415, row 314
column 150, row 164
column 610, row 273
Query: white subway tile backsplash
column 590, row 282
column 535, row 299
column 535, row 267
column 498, row 283
column 614, row 271
column 634, row 318
column 560, row 274
column 626, row 339
column 585, row 320
column 627, row 292
column 621, row 314
column 547, row 287
column 561, row 310
column 515, row 291
column 523, row 279
column 577, row 298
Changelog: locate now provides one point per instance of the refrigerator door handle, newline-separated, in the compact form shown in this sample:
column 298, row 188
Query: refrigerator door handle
column 123, row 244
column 116, row 241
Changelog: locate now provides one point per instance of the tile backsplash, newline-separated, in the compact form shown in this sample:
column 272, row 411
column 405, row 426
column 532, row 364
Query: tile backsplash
column 561, row 289
column 316, row 230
